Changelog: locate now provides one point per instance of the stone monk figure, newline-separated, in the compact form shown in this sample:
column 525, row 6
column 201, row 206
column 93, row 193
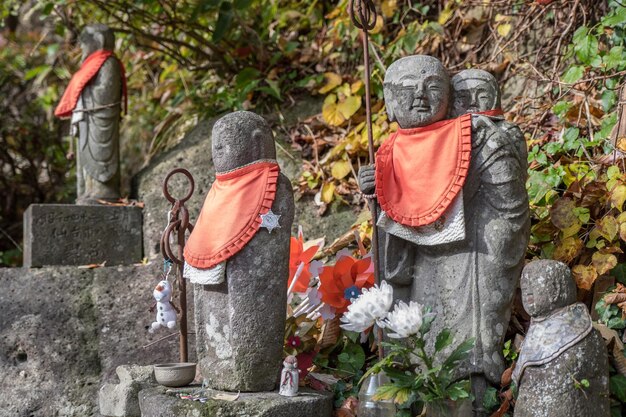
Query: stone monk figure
column 477, row 91
column 455, row 224
column 238, row 258
column 93, row 100
column 561, row 349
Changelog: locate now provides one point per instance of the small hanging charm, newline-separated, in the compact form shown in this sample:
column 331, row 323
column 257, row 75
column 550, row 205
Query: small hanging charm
column 165, row 310
column 289, row 378
column 269, row 220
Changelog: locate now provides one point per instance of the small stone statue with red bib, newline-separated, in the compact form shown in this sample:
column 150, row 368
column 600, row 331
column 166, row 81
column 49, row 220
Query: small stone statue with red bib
column 93, row 100
column 454, row 220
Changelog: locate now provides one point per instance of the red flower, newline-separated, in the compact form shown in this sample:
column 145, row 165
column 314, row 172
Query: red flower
column 294, row 341
column 305, row 361
column 298, row 255
column 345, row 280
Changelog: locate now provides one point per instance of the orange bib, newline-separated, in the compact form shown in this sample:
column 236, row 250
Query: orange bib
column 420, row 171
column 231, row 214
column 81, row 78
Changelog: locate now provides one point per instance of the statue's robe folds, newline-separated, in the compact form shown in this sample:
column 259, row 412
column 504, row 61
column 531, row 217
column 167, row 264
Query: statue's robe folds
column 97, row 115
column 470, row 284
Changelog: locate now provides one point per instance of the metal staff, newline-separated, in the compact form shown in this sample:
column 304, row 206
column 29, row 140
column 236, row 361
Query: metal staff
column 178, row 221
column 363, row 16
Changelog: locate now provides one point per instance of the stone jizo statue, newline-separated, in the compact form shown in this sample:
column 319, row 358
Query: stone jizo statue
column 238, row 256
column 93, row 100
column 561, row 350
column 469, row 276
column 477, row 91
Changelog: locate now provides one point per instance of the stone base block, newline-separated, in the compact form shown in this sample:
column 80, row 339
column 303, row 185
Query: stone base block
column 121, row 400
column 66, row 234
column 156, row 402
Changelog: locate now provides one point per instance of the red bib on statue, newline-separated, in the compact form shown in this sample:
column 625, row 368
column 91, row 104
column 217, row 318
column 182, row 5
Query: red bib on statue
column 231, row 214
column 81, row 78
column 420, row 171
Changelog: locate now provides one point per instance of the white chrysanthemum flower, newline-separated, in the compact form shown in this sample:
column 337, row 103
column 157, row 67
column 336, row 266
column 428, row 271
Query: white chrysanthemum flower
column 405, row 320
column 372, row 306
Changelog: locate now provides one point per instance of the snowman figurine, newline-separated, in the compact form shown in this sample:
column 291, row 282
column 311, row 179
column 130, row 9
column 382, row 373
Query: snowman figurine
column 289, row 377
column 165, row 310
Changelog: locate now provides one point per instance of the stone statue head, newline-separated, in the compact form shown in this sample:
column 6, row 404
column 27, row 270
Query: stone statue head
column 240, row 138
column 417, row 91
column 547, row 285
column 95, row 37
column 474, row 90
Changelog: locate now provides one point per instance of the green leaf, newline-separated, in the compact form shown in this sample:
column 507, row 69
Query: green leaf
column 490, row 400
column 573, row 74
column 586, row 48
column 614, row 58
column 223, row 21
column 444, row 339
column 459, row 353
column 619, row 273
column 617, row 386
column 617, row 17
column 242, row 4
column 458, row 390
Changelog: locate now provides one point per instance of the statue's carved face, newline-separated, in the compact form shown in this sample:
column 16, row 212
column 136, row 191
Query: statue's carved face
column 473, row 91
column 546, row 286
column 473, row 96
column 240, row 138
column 417, row 91
column 95, row 37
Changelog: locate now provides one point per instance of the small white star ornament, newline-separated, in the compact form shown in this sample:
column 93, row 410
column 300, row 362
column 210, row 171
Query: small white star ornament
column 269, row 220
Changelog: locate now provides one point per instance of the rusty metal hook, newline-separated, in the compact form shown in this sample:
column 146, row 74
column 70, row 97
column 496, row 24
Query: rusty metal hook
column 166, row 191
column 178, row 221
column 363, row 14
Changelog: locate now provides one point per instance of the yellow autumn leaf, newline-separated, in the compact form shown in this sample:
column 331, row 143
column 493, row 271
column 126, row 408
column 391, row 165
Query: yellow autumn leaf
column 585, row 276
column 340, row 169
column 328, row 192
column 332, row 81
column 330, row 111
column 445, row 14
column 607, row 226
column 504, row 29
column 349, row 106
column 389, row 7
column 568, row 249
column 356, row 86
column 603, row 262
column 380, row 23
column 618, row 196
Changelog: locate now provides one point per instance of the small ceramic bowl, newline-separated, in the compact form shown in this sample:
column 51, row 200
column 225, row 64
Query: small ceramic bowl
column 175, row 374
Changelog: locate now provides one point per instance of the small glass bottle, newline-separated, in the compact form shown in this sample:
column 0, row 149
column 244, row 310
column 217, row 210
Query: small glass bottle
column 368, row 407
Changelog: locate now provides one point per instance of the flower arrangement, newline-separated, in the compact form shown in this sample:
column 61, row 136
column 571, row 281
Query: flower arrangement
column 319, row 293
column 332, row 308
column 417, row 376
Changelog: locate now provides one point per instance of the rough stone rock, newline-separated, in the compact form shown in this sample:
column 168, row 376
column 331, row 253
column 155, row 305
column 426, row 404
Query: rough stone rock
column 194, row 154
column 122, row 400
column 64, row 330
column 67, row 234
column 155, row 402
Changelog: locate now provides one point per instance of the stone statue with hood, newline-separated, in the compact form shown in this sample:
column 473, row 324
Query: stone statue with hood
column 238, row 258
column 454, row 220
column 93, row 100
column 562, row 369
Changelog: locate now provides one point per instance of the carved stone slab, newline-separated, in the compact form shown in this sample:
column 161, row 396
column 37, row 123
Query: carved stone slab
column 65, row 234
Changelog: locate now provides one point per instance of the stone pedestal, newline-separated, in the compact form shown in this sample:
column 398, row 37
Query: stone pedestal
column 121, row 400
column 155, row 402
column 65, row 234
